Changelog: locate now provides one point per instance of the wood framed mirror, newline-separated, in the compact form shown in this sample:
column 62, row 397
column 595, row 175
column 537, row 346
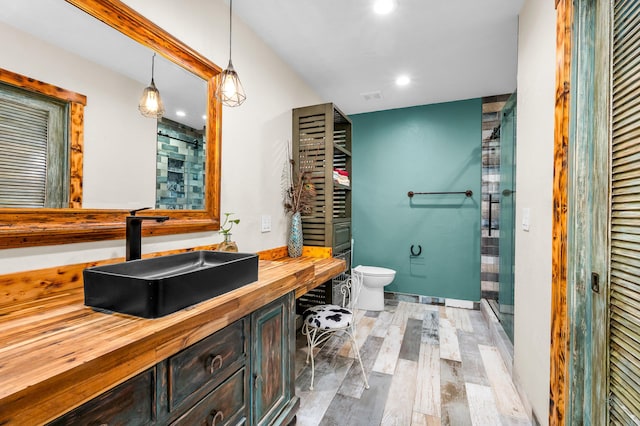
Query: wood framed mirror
column 25, row 227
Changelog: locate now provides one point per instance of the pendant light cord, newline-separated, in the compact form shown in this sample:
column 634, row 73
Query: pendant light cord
column 230, row 26
column 153, row 63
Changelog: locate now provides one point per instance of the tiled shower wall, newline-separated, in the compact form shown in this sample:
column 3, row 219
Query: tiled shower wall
column 490, row 262
column 180, row 167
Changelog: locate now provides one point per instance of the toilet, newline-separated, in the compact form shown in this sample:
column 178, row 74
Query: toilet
column 374, row 279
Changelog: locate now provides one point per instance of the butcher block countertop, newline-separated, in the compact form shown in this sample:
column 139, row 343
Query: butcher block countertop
column 56, row 353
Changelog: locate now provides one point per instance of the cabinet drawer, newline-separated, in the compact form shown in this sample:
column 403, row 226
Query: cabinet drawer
column 225, row 405
column 131, row 402
column 206, row 363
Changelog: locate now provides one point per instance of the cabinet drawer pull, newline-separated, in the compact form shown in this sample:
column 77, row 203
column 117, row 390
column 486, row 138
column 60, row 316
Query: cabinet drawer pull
column 257, row 381
column 211, row 363
column 215, row 416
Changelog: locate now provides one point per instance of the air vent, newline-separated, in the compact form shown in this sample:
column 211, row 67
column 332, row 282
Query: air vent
column 372, row 96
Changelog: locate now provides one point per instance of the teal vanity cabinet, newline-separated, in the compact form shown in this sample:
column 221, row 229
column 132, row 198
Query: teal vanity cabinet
column 242, row 374
column 273, row 370
column 206, row 383
column 130, row 403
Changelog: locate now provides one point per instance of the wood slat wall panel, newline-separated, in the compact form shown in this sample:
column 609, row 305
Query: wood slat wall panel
column 628, row 137
column 624, row 299
column 626, row 264
column 627, row 186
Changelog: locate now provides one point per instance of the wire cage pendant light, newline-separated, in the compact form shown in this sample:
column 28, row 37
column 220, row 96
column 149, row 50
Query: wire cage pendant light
column 230, row 91
column 150, row 104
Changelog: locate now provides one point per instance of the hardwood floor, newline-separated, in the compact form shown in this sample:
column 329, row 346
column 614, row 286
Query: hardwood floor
column 426, row 364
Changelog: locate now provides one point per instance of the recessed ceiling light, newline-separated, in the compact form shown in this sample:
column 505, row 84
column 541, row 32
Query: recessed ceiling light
column 181, row 113
column 403, row 80
column 383, row 7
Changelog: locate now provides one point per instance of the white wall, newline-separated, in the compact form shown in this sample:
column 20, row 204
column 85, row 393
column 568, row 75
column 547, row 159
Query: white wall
column 111, row 120
column 254, row 136
column 534, row 179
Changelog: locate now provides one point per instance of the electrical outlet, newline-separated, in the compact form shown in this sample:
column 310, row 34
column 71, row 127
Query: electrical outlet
column 266, row 223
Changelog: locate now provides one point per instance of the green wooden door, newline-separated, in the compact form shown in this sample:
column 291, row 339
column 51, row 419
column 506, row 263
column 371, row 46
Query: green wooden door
column 588, row 201
column 604, row 215
column 273, row 340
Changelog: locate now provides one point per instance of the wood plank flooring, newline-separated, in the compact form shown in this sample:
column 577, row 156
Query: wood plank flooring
column 426, row 365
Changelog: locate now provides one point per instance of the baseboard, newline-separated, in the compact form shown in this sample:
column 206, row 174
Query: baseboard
column 457, row 303
column 505, row 348
column 430, row 300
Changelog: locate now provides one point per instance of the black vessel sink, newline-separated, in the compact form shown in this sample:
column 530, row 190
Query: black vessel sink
column 155, row 287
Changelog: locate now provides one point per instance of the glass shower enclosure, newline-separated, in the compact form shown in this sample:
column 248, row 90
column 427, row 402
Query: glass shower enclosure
column 507, row 215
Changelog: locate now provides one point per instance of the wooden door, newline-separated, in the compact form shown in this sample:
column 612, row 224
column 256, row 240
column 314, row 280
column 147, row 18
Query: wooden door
column 604, row 246
column 624, row 292
column 272, row 379
column 581, row 215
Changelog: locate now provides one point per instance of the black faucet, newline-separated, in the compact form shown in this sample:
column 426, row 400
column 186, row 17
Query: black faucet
column 134, row 232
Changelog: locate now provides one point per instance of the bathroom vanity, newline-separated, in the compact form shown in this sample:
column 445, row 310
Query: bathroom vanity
column 227, row 360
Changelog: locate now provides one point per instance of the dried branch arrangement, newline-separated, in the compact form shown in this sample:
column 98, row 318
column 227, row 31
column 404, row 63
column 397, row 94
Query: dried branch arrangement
column 300, row 191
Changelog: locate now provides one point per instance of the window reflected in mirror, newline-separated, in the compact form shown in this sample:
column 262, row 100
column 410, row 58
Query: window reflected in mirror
column 33, row 149
column 41, row 130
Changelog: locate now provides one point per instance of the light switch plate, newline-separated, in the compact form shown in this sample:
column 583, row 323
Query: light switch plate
column 526, row 219
column 266, row 223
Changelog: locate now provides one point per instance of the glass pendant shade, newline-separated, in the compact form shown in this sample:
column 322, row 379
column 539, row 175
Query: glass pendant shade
column 230, row 91
column 150, row 104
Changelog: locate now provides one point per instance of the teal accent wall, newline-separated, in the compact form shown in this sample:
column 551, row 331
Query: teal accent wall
column 428, row 148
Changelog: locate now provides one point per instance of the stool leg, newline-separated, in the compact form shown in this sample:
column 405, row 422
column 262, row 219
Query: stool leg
column 311, row 336
column 354, row 344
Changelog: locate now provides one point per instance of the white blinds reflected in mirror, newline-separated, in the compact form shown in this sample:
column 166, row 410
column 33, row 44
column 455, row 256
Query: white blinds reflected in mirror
column 33, row 150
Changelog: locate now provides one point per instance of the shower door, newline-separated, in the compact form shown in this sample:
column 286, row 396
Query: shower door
column 507, row 214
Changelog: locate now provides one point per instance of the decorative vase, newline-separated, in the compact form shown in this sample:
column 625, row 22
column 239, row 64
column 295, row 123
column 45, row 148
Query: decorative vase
column 294, row 244
column 227, row 244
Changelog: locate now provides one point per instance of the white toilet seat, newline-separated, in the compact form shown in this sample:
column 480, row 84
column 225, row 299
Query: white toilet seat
column 375, row 271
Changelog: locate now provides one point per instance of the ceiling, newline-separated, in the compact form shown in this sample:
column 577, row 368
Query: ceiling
column 450, row 49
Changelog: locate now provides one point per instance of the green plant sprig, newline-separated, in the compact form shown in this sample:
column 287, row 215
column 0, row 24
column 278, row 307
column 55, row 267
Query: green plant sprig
column 227, row 220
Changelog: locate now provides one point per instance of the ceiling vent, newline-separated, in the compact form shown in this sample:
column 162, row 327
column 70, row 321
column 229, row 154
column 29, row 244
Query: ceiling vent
column 372, row 96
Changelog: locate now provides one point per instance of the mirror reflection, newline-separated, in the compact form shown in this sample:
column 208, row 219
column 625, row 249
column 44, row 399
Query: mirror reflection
column 129, row 160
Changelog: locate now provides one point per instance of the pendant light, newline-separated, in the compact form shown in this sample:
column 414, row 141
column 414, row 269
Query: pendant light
column 150, row 104
column 230, row 91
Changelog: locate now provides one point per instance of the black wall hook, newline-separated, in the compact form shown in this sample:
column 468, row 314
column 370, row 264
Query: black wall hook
column 414, row 254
